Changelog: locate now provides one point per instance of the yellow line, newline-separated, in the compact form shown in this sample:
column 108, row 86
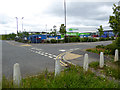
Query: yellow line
column 59, row 57
column 63, row 63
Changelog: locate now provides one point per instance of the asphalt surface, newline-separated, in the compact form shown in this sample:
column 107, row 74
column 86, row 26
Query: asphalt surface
column 35, row 58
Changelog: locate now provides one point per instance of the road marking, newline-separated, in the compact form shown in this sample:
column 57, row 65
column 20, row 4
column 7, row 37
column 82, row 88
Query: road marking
column 39, row 52
column 26, row 45
column 62, row 50
column 45, row 55
column 42, row 54
column 50, row 54
column 54, row 56
column 32, row 48
column 63, row 63
column 50, row 57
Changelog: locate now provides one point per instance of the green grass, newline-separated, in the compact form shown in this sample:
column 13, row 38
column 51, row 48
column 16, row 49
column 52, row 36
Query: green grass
column 112, row 70
column 72, row 77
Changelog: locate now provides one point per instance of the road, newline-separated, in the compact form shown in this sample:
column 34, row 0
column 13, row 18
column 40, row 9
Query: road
column 35, row 58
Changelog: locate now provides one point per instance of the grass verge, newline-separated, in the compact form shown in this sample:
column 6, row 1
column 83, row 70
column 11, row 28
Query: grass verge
column 111, row 68
column 72, row 77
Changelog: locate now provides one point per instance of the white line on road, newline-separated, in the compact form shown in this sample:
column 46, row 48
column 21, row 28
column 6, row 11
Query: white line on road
column 54, row 56
column 50, row 57
column 50, row 54
column 45, row 55
column 62, row 50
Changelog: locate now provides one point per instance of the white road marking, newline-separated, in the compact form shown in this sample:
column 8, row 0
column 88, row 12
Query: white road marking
column 50, row 54
column 71, row 49
column 42, row 54
column 39, row 52
column 76, row 48
column 32, row 48
column 54, row 56
column 46, row 55
column 50, row 57
column 62, row 50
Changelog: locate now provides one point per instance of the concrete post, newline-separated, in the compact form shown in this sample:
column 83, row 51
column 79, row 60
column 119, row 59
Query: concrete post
column 16, row 75
column 116, row 55
column 57, row 67
column 85, row 64
column 101, row 60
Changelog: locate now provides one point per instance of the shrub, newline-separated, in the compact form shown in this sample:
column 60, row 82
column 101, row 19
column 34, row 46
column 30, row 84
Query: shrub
column 102, row 39
column 112, row 38
column 53, row 41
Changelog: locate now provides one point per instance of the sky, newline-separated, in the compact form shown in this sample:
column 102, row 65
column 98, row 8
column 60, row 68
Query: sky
column 42, row 15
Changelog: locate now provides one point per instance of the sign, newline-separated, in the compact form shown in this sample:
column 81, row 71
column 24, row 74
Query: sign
column 71, row 29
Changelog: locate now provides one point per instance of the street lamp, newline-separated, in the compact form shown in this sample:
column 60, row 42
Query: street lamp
column 65, row 16
column 17, row 24
column 22, row 23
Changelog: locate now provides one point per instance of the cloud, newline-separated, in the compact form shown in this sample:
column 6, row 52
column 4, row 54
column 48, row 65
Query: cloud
column 38, row 13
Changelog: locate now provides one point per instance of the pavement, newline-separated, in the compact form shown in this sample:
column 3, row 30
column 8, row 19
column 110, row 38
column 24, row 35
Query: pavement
column 76, row 57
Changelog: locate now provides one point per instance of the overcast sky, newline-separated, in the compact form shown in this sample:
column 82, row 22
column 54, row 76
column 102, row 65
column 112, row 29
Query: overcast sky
column 41, row 15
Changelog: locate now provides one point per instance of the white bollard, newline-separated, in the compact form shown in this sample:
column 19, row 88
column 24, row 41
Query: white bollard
column 85, row 64
column 101, row 60
column 57, row 67
column 16, row 75
column 116, row 55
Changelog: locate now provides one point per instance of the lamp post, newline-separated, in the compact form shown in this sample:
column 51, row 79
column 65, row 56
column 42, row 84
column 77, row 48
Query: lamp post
column 17, row 24
column 22, row 23
column 65, row 16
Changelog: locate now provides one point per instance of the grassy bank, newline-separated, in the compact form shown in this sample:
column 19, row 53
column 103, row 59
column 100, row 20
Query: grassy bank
column 110, row 68
column 72, row 77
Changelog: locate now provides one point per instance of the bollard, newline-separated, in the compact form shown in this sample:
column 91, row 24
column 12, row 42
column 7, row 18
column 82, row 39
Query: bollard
column 116, row 55
column 101, row 60
column 57, row 67
column 85, row 64
column 16, row 75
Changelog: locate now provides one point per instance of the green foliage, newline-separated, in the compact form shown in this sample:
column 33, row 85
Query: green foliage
column 53, row 41
column 8, row 36
column 108, row 70
column 62, row 29
column 72, row 77
column 94, row 65
column 115, row 20
column 100, row 30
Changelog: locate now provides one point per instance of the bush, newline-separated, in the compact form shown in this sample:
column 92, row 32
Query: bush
column 102, row 39
column 115, row 45
column 60, row 41
column 53, row 41
column 112, row 38
column 99, row 46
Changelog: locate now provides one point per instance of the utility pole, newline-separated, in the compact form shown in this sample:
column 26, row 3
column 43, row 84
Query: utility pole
column 65, row 16
column 22, row 23
column 17, row 24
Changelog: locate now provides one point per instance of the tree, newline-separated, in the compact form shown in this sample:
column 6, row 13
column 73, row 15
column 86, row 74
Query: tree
column 100, row 30
column 115, row 20
column 62, row 29
column 54, row 30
